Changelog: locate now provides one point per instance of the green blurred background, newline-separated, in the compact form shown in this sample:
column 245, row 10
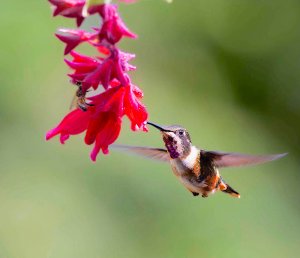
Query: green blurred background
column 228, row 70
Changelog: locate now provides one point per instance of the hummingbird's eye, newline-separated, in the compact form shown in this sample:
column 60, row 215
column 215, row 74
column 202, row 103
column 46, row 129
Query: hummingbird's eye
column 181, row 132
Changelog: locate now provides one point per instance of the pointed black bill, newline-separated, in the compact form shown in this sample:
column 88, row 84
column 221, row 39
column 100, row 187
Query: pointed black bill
column 158, row 127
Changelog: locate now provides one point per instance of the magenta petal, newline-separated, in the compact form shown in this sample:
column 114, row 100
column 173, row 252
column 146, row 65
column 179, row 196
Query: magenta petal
column 125, row 58
column 70, row 40
column 101, row 75
column 51, row 133
column 113, row 28
column 79, row 21
column 107, row 135
column 73, row 38
column 58, row 10
column 106, row 71
column 63, row 138
column 83, row 67
column 69, row 9
column 94, row 153
column 124, row 30
column 137, row 91
column 82, row 58
column 77, row 76
column 73, row 123
column 134, row 110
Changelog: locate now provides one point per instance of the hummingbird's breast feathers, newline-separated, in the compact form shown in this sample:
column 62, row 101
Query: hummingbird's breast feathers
column 187, row 165
column 192, row 158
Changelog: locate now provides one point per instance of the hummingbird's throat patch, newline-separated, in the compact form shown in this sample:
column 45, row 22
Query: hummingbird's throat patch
column 172, row 145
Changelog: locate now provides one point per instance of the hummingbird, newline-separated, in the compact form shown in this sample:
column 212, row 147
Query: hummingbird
column 196, row 169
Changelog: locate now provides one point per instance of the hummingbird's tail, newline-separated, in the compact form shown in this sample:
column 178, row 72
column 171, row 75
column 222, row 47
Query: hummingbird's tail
column 231, row 191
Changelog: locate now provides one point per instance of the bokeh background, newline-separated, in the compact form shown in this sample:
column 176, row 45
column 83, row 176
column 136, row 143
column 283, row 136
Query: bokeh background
column 226, row 70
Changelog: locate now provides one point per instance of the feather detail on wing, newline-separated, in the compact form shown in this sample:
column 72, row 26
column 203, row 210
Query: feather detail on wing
column 222, row 159
column 148, row 152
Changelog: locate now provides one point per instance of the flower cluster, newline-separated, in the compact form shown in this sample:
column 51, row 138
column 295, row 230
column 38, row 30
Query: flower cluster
column 100, row 115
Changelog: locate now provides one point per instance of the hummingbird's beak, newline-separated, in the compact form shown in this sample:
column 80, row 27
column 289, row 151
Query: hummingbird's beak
column 158, row 127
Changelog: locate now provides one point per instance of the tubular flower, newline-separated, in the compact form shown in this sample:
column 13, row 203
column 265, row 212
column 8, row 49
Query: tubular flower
column 75, row 122
column 99, row 116
column 113, row 28
column 69, row 9
column 93, row 72
column 73, row 38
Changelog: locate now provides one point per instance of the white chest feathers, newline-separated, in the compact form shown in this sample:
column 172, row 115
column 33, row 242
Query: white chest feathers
column 190, row 160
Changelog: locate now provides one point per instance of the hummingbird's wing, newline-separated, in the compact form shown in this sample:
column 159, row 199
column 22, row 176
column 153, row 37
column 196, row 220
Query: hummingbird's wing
column 148, row 152
column 223, row 159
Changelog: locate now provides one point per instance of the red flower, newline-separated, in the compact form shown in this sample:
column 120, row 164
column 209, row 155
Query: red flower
column 134, row 109
column 94, row 71
column 73, row 38
column 113, row 28
column 107, row 135
column 74, row 123
column 105, row 124
column 102, row 119
column 69, row 9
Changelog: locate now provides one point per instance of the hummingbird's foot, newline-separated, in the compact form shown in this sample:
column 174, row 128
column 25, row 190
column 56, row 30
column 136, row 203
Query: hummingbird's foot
column 204, row 195
column 195, row 194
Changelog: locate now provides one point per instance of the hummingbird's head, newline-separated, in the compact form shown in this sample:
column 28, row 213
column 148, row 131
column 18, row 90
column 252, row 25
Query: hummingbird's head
column 177, row 140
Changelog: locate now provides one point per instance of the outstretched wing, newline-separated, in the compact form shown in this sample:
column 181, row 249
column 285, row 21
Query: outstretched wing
column 222, row 159
column 152, row 153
